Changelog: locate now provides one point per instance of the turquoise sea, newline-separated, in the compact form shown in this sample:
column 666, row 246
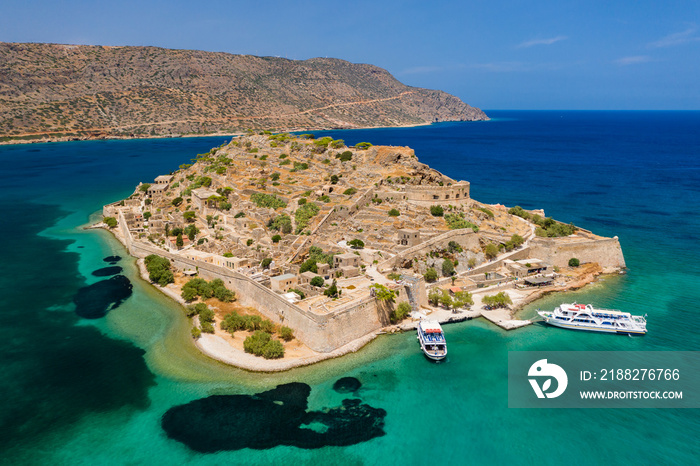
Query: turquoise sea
column 82, row 390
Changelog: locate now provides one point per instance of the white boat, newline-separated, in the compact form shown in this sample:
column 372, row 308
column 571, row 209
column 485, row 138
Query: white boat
column 586, row 317
column 432, row 339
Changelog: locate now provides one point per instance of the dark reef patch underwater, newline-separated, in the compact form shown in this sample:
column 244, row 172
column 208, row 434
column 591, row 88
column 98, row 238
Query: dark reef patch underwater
column 96, row 300
column 269, row 419
column 347, row 385
column 107, row 271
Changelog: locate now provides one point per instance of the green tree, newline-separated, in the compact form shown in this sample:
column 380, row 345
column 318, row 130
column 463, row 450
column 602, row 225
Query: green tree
column 177, row 201
column 394, row 213
column 273, row 349
column 401, row 311
column 462, row 299
column 286, row 333
column 430, row 275
column 434, row 296
column 179, row 242
column 573, row 262
column 309, row 265
column 500, row 299
column 517, row 240
column 491, row 251
column 189, row 216
column 196, row 333
column 356, row 244
column 446, row 299
column 382, row 293
column 317, row 281
column 256, row 342
column 111, row 222
column 159, row 269
column 265, row 263
column 147, row 215
column 331, row 291
column 448, row 268
column 276, row 238
column 436, row 210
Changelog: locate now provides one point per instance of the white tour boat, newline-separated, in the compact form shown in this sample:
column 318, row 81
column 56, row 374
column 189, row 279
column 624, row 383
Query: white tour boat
column 586, row 317
column 432, row 339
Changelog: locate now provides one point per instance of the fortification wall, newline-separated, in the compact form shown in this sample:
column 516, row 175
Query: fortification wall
column 606, row 251
column 464, row 237
column 322, row 333
column 454, row 194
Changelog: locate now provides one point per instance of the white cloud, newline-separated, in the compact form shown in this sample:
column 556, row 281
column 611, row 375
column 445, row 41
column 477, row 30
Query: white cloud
column 677, row 38
column 634, row 60
column 550, row 41
column 502, row 67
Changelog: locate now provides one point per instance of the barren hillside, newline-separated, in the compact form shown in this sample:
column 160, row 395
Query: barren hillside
column 59, row 91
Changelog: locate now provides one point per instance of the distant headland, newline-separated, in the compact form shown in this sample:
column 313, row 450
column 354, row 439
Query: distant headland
column 287, row 250
column 53, row 92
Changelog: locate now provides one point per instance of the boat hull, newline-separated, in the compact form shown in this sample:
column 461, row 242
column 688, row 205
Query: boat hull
column 586, row 328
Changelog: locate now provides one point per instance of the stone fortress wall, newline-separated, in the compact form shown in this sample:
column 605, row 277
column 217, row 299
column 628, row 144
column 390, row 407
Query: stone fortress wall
column 454, row 194
column 605, row 251
column 320, row 332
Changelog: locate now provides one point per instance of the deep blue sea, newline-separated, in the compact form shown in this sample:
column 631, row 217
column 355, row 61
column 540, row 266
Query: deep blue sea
column 86, row 387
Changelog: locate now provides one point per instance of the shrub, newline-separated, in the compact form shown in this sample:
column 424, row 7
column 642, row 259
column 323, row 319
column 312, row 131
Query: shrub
column 486, row 211
column 345, row 156
column 430, row 275
column 394, row 276
column 286, row 334
column 196, row 333
column 144, row 187
column 159, row 270
column 273, row 350
column 267, row 326
column 436, row 210
column 249, row 242
column 265, row 263
column 301, row 201
column 317, row 281
column 309, row 265
column 363, row 145
column 356, row 243
column 276, row 238
column 267, row 200
column 448, row 267
column 457, row 221
column 517, row 240
column 400, row 313
column 304, row 214
column 491, row 251
column 394, row 213
column 189, row 215
column 281, row 223
column 454, row 246
column 256, row 342
column 520, row 212
column 177, row 201
column 573, row 262
column 325, row 199
column 350, row 191
column 111, row 222
column 299, row 292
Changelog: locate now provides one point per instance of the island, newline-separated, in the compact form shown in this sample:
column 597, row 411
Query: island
column 299, row 249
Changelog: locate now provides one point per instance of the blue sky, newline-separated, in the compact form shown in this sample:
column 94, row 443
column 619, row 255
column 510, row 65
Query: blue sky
column 494, row 54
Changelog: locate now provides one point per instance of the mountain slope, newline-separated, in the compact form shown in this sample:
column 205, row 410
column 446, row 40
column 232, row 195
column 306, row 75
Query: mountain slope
column 93, row 91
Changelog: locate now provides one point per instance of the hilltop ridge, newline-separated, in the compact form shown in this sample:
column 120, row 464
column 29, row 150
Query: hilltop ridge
column 67, row 91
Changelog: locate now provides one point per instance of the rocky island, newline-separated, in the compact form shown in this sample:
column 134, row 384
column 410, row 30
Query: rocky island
column 325, row 246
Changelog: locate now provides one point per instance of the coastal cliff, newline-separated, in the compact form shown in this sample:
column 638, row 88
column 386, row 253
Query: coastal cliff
column 58, row 92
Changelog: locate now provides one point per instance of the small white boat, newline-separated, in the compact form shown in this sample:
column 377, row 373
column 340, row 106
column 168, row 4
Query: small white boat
column 432, row 339
column 586, row 317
